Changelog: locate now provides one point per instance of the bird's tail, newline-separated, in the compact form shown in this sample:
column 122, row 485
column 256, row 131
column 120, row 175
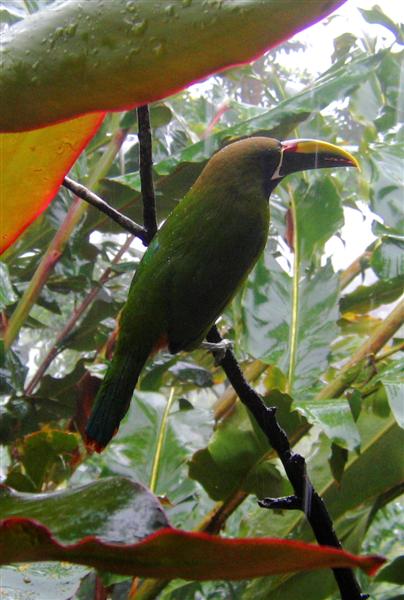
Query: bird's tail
column 113, row 399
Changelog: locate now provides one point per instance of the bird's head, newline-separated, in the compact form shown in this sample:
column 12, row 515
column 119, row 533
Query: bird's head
column 270, row 160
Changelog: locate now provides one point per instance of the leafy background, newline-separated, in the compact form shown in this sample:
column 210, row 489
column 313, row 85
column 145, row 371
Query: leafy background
column 299, row 318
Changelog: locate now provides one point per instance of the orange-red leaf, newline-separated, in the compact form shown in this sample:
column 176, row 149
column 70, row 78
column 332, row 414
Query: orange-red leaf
column 33, row 166
column 171, row 553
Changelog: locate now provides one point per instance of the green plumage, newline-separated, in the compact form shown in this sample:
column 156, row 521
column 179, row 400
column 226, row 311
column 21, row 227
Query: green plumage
column 191, row 270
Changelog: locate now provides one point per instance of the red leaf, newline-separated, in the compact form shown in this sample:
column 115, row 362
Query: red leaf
column 171, row 553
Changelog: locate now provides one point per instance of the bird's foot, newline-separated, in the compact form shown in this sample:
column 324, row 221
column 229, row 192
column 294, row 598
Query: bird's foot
column 219, row 349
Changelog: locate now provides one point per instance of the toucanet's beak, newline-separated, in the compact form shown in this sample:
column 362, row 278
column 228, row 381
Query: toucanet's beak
column 300, row 155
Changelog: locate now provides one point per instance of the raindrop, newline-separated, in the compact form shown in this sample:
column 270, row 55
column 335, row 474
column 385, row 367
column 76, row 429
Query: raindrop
column 158, row 49
column 59, row 31
column 71, row 29
column 131, row 6
column 169, row 10
column 140, row 27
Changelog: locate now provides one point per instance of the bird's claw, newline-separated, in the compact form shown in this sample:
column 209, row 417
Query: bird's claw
column 219, row 349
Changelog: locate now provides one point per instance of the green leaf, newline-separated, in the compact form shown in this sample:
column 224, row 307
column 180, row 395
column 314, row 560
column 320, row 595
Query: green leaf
column 338, row 460
column 7, row 295
column 124, row 38
column 377, row 16
column 47, row 456
column 114, row 509
column 235, row 458
column 386, row 183
column 319, row 215
column 266, row 310
column 334, row 417
column 395, row 395
column 388, row 258
column 362, row 482
column 41, row 580
column 91, row 333
column 368, row 297
column 190, row 373
column 393, row 572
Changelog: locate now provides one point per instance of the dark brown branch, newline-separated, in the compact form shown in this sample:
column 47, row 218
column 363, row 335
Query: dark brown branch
column 85, row 194
column 146, row 172
column 294, row 465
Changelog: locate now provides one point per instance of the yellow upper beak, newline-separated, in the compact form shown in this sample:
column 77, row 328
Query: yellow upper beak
column 328, row 154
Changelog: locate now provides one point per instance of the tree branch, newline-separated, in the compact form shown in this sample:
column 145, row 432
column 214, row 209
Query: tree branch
column 294, row 465
column 146, row 172
column 85, row 194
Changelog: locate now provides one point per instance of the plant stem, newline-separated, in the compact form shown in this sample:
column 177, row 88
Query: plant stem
column 373, row 344
column 75, row 316
column 160, row 441
column 355, row 268
column 294, row 329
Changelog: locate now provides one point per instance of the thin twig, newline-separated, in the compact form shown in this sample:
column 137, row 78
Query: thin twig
column 146, row 172
column 75, row 316
column 85, row 194
column 294, row 465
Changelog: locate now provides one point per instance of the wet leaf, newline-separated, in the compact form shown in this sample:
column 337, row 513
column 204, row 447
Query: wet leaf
column 368, row 297
column 395, row 395
column 123, row 40
column 388, row 259
column 44, row 157
column 114, row 509
column 334, row 417
column 173, row 553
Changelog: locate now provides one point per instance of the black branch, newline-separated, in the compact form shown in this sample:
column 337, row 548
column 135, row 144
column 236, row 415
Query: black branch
column 305, row 498
column 85, row 194
column 146, row 171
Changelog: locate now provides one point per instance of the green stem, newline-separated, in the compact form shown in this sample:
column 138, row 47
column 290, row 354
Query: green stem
column 373, row 344
column 160, row 441
column 74, row 317
column 294, row 323
column 57, row 245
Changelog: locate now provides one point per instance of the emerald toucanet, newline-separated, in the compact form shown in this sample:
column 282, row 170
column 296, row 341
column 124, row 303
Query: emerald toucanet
column 197, row 261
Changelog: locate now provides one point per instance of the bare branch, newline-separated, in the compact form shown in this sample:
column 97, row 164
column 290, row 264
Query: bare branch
column 146, row 172
column 85, row 194
column 294, row 465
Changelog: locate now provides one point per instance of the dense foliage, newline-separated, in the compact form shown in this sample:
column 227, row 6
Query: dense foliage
column 297, row 325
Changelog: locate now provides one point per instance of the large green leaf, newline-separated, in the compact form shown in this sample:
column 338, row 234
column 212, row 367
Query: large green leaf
column 267, row 314
column 135, row 46
column 113, row 509
column 236, row 458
